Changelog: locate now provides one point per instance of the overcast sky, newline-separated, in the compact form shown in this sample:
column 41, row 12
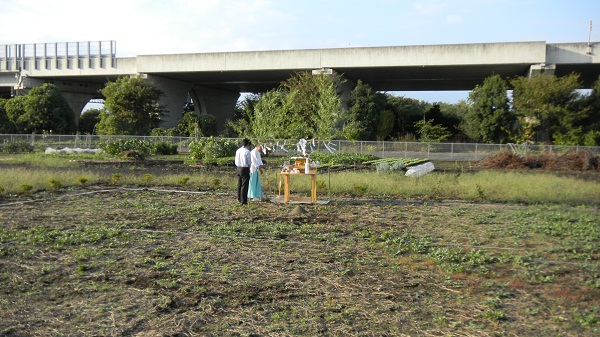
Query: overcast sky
column 142, row 27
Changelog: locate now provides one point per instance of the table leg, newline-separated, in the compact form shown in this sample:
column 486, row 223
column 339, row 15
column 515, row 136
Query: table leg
column 286, row 188
column 313, row 188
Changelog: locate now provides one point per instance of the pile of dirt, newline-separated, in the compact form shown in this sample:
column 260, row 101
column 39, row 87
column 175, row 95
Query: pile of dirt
column 571, row 161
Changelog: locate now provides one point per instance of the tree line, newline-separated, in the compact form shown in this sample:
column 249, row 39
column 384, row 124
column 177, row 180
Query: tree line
column 540, row 109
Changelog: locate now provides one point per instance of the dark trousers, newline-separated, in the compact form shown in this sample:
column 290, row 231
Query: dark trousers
column 243, row 174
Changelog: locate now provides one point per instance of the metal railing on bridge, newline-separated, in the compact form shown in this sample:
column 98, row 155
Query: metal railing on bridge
column 432, row 151
column 87, row 54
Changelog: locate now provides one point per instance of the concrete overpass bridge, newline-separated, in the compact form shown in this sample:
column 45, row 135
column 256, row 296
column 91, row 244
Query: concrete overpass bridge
column 215, row 80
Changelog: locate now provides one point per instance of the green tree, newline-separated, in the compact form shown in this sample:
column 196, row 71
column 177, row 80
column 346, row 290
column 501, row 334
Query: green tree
column 243, row 113
column 208, row 125
column 489, row 118
column 270, row 119
column 365, row 108
column 188, row 125
column 6, row 125
column 385, row 124
column 329, row 113
column 313, row 100
column 88, row 120
column 591, row 123
column 549, row 108
column 407, row 112
column 304, row 106
column 132, row 107
column 43, row 109
column 453, row 116
column 429, row 132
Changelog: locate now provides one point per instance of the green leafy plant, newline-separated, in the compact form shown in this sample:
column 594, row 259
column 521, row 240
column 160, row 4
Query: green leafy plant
column 215, row 183
column 115, row 147
column 82, row 180
column 183, row 181
column 211, row 148
column 9, row 146
column 115, row 178
column 163, row 148
column 55, row 184
column 359, row 189
column 495, row 315
column 25, row 188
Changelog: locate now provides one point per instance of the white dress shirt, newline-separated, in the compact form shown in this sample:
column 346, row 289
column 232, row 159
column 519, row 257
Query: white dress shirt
column 242, row 157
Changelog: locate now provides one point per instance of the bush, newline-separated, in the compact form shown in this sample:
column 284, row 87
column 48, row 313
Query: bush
column 144, row 147
column 163, row 148
column 211, row 148
column 220, row 161
column 9, row 146
column 337, row 158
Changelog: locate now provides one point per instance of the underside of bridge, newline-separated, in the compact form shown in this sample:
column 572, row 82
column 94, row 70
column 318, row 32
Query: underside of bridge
column 430, row 78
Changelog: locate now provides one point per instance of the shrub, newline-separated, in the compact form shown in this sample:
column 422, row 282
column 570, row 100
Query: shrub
column 341, row 158
column 115, row 147
column 223, row 161
column 55, row 184
column 163, row 148
column 82, row 180
column 211, row 148
column 9, row 146
column 144, row 147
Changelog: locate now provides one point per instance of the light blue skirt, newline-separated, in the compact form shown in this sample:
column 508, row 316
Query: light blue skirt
column 254, row 188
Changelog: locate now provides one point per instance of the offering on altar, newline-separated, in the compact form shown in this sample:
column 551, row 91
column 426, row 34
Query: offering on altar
column 300, row 165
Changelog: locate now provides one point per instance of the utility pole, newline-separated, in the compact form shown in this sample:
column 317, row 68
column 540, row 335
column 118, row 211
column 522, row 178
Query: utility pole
column 589, row 51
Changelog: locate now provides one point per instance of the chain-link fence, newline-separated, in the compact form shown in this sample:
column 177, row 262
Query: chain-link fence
column 432, row 151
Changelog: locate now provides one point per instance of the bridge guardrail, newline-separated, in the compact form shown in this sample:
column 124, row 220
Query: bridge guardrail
column 384, row 149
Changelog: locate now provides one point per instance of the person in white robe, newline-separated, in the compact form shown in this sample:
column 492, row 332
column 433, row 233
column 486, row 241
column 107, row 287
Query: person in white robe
column 256, row 165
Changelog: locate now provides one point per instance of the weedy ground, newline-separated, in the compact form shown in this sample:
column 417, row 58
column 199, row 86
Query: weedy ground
column 143, row 262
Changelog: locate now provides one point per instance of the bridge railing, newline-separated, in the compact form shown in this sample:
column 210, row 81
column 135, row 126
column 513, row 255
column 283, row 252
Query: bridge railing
column 57, row 55
column 432, row 151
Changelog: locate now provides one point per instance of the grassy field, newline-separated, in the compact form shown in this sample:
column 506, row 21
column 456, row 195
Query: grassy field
column 140, row 252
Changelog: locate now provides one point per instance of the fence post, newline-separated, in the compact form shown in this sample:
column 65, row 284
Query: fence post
column 451, row 151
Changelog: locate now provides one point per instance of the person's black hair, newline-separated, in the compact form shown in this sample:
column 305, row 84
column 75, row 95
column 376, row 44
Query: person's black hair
column 246, row 142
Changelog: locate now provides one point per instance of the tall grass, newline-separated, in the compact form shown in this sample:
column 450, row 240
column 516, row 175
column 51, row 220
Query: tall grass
column 37, row 160
column 484, row 186
column 19, row 180
column 488, row 186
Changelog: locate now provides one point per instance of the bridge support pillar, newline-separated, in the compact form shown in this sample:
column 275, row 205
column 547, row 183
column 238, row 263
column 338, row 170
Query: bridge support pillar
column 218, row 103
column 215, row 102
column 173, row 99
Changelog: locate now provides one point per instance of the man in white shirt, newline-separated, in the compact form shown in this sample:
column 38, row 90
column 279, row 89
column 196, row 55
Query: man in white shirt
column 242, row 162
